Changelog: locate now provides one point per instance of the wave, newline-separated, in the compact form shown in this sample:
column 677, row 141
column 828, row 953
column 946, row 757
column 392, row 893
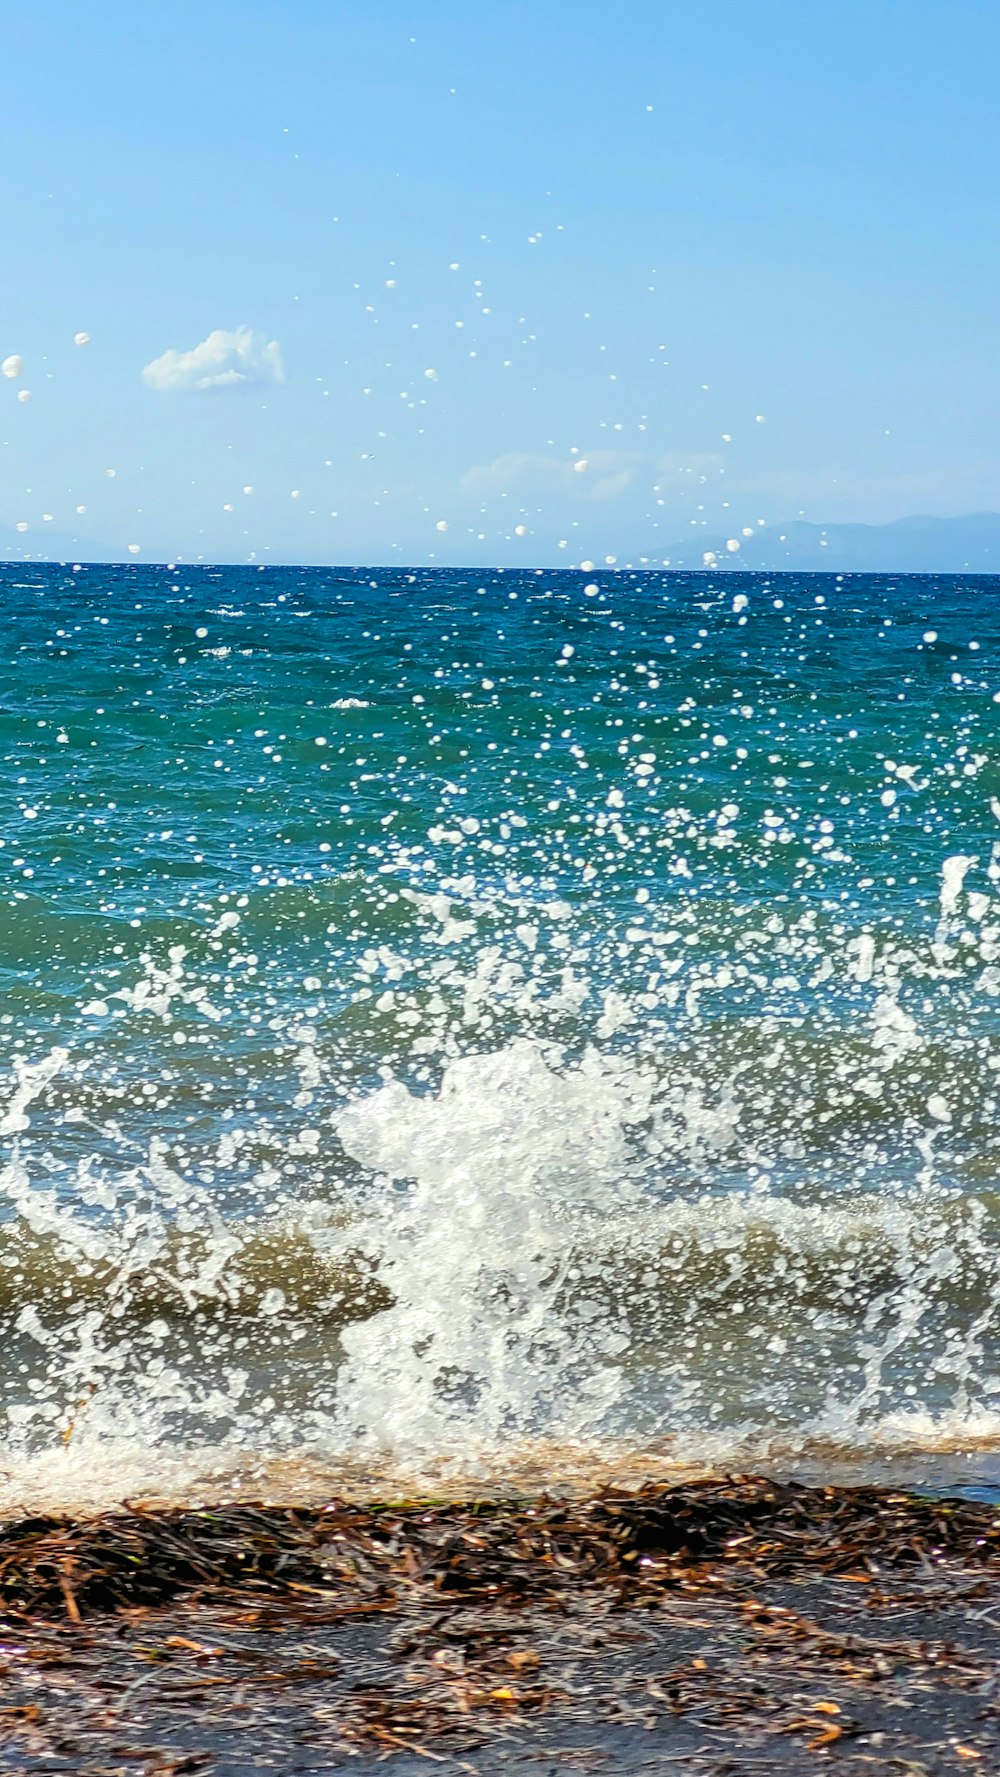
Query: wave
column 502, row 1272
column 510, row 1175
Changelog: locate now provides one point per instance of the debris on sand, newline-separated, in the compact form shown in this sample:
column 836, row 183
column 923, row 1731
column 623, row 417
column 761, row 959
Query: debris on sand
column 682, row 1624
column 636, row 1542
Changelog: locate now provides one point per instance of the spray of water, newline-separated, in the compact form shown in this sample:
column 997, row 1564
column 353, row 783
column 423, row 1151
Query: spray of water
column 532, row 1026
column 582, row 1246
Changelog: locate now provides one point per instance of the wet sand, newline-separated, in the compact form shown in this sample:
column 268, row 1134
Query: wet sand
column 721, row 1628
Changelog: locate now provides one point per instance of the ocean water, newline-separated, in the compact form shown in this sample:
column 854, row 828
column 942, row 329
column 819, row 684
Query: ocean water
column 483, row 1025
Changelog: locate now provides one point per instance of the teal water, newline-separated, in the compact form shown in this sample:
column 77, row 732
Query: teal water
column 444, row 1013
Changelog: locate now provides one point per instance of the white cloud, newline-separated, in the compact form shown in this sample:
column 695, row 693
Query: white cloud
column 600, row 475
column 233, row 359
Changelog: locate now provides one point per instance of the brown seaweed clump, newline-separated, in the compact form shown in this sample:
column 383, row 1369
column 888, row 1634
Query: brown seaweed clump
column 636, row 1543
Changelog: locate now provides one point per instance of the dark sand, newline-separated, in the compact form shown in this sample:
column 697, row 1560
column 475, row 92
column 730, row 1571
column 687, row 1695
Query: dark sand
column 736, row 1628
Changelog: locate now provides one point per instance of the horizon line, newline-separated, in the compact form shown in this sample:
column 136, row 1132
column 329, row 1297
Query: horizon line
column 74, row 565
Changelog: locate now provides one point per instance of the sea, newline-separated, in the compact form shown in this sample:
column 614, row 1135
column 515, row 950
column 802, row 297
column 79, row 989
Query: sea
column 468, row 1029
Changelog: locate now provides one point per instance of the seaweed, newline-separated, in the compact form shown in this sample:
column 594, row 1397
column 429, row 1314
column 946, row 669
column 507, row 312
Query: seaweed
column 786, row 1620
column 637, row 1542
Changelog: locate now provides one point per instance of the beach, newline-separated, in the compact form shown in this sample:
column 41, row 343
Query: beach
column 737, row 1627
column 500, row 890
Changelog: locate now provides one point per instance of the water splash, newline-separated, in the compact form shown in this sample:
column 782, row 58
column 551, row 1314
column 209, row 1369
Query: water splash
column 500, row 1324
column 587, row 1094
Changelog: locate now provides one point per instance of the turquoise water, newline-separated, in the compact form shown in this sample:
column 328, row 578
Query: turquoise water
column 447, row 1013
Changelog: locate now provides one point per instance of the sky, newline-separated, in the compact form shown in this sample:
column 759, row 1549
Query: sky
column 424, row 281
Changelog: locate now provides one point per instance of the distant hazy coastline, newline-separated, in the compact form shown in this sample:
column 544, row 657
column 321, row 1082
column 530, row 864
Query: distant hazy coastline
column 969, row 544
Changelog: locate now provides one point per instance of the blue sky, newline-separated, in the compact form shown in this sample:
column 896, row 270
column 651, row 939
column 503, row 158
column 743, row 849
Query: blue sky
column 616, row 235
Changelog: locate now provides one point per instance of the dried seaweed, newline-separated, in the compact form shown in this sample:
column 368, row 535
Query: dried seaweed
column 362, row 1556
column 689, row 1684
column 673, row 1627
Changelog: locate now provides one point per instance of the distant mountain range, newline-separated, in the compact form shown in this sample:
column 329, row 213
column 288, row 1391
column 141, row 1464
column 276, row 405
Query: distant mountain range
column 47, row 545
column 969, row 544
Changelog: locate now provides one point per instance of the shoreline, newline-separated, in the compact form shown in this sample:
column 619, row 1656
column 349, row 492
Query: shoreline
column 763, row 1623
